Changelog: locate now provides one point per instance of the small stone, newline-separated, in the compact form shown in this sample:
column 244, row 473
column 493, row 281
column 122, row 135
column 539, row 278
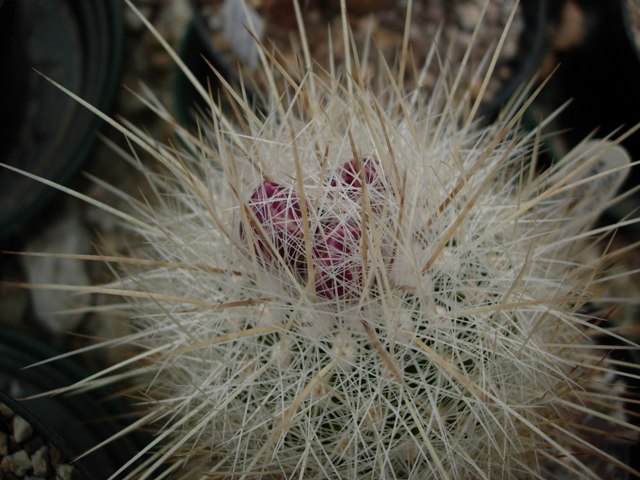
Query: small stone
column 40, row 461
column 33, row 444
column 132, row 21
column 6, row 464
column 66, row 234
column 55, row 456
column 280, row 13
column 64, row 472
column 573, row 30
column 14, row 301
column 160, row 61
column 362, row 7
column 5, row 411
column 4, row 444
column 21, row 463
column 236, row 20
column 22, row 430
column 468, row 15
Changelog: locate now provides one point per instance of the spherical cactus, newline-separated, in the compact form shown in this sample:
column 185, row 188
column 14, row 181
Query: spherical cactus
column 414, row 312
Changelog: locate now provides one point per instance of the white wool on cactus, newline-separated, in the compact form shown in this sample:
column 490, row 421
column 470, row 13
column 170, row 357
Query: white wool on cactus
column 365, row 282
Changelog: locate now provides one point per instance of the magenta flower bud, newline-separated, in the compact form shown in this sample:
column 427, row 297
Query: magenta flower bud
column 349, row 175
column 348, row 181
column 277, row 209
column 337, row 260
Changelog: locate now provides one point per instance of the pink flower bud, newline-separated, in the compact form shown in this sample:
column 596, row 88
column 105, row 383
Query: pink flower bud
column 277, row 209
column 349, row 175
column 347, row 181
column 337, row 260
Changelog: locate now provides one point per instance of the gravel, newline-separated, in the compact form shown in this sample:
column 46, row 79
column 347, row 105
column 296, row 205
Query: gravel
column 26, row 454
column 384, row 22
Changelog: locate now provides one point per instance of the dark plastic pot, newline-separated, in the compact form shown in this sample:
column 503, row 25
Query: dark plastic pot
column 199, row 59
column 532, row 47
column 599, row 74
column 630, row 52
column 77, row 44
column 73, row 423
column 601, row 77
column 629, row 28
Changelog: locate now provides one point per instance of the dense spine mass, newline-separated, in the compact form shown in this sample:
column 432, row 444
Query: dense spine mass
column 367, row 283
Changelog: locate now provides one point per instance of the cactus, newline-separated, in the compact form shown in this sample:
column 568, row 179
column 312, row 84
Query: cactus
column 366, row 283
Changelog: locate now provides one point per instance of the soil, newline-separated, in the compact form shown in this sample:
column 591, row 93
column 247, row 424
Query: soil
column 25, row 453
column 382, row 24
